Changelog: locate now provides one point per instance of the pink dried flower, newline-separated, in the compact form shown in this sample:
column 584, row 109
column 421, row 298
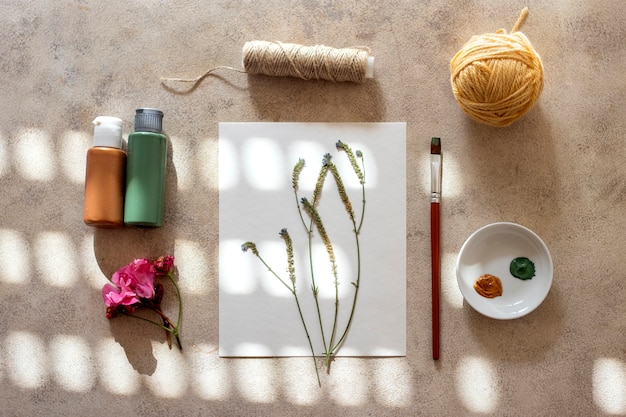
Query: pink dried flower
column 139, row 277
column 133, row 286
column 115, row 296
column 163, row 265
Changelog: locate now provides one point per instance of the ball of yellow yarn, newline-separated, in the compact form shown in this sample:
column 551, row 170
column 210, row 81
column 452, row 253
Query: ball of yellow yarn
column 497, row 77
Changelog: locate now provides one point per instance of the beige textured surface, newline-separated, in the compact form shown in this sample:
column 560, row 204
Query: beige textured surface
column 559, row 171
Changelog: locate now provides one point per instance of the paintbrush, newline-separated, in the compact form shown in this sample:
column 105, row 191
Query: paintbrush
column 435, row 197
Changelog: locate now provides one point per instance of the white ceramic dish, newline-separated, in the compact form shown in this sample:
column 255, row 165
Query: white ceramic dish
column 490, row 250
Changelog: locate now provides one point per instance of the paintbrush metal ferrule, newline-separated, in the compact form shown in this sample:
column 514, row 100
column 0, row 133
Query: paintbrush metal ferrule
column 435, row 170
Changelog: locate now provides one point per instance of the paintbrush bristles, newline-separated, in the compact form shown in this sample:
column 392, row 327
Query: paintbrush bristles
column 435, row 146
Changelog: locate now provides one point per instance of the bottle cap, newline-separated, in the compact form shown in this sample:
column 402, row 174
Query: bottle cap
column 107, row 132
column 148, row 120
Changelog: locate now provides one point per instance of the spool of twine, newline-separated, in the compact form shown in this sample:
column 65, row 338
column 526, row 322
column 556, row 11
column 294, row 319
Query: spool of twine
column 317, row 62
column 497, row 77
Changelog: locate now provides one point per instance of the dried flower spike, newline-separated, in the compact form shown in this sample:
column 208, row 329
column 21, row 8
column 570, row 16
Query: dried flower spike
column 251, row 246
column 357, row 170
column 317, row 220
column 290, row 261
column 342, row 191
column 319, row 184
column 295, row 176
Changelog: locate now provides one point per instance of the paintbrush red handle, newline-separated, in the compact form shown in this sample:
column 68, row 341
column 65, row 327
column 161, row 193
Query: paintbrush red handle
column 434, row 239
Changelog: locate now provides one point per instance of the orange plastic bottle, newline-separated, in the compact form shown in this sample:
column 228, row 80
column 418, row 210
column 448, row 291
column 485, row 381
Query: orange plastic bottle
column 105, row 176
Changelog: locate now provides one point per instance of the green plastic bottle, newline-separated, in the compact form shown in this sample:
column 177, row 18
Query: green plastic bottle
column 144, row 202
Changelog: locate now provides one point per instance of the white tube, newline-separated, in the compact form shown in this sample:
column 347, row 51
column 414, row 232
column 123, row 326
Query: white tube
column 369, row 69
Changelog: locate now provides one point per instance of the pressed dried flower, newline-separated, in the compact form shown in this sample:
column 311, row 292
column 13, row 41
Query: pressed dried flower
column 290, row 262
column 355, row 166
column 319, row 184
column 295, row 176
column 317, row 220
column 251, row 246
column 342, row 191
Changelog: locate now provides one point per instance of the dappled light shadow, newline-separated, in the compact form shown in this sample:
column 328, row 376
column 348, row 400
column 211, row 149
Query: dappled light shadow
column 126, row 357
column 136, row 337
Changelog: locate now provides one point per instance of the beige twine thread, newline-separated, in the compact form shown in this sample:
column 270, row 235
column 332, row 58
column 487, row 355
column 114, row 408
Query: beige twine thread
column 279, row 59
column 497, row 77
column 317, row 62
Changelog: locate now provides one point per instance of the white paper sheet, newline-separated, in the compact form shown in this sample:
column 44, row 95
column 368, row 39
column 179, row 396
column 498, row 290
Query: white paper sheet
column 258, row 315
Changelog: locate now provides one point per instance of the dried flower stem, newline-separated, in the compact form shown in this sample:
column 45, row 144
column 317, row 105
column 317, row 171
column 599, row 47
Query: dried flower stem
column 357, row 231
column 176, row 331
column 292, row 289
column 317, row 220
column 317, row 193
column 168, row 326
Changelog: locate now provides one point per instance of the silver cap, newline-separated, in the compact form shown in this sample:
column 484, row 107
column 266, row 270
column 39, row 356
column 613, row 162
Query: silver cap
column 148, row 120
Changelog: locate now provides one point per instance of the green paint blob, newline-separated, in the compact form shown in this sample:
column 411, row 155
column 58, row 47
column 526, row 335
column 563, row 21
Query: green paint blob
column 522, row 268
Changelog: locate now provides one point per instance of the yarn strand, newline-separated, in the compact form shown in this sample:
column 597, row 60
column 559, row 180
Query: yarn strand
column 520, row 20
column 201, row 77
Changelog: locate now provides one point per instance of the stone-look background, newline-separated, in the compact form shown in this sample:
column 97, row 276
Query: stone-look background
column 559, row 171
